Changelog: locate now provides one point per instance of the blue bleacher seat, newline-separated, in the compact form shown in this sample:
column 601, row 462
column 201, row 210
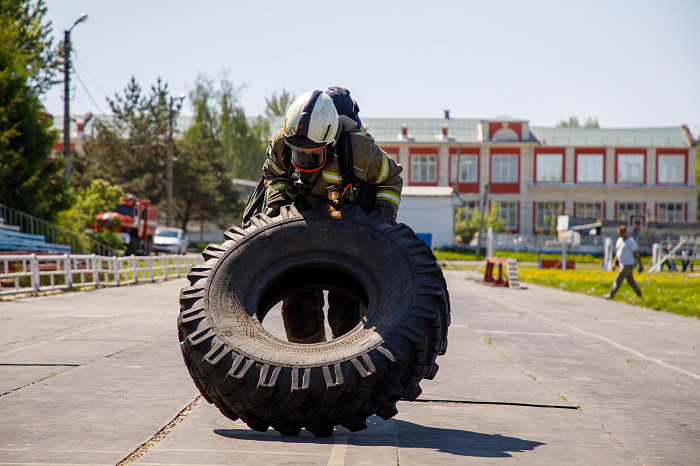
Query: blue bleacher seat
column 12, row 240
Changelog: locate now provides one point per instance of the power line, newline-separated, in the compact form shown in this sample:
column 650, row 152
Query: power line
column 85, row 68
column 81, row 103
column 87, row 91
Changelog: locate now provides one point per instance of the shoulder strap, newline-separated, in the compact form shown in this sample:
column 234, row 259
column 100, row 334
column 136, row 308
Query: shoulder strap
column 287, row 155
column 345, row 160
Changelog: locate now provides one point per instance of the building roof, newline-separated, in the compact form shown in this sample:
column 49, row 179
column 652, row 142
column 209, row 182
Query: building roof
column 429, row 130
column 422, row 129
column 675, row 136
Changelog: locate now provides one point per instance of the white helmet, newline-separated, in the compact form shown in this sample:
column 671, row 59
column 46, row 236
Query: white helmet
column 311, row 125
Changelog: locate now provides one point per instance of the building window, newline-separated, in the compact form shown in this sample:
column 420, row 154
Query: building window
column 589, row 210
column 589, row 168
column 508, row 211
column 671, row 169
column 504, row 169
column 546, row 214
column 423, row 168
column 549, row 168
column 468, row 168
column 624, row 209
column 630, row 168
column 471, row 205
column 670, row 212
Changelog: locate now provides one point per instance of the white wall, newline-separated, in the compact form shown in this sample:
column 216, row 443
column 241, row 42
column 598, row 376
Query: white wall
column 429, row 214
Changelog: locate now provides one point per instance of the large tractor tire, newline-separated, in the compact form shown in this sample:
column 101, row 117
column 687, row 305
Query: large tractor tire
column 249, row 373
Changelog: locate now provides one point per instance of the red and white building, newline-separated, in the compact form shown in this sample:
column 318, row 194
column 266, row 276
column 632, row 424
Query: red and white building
column 533, row 173
column 537, row 173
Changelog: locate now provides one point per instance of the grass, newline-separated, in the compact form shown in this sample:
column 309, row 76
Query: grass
column 664, row 292
column 457, row 255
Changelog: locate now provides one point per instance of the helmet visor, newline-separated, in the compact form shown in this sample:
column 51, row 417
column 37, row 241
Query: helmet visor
column 308, row 160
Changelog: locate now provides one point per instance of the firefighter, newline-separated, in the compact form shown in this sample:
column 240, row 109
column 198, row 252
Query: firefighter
column 307, row 164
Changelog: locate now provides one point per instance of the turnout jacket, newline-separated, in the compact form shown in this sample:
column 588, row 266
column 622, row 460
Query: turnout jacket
column 370, row 163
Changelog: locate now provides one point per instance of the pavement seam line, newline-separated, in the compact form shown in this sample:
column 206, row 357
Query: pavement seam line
column 489, row 341
column 38, row 364
column 619, row 442
column 161, row 434
column 53, row 374
column 63, row 329
column 598, row 337
column 45, row 342
column 618, row 345
column 396, row 441
column 70, row 366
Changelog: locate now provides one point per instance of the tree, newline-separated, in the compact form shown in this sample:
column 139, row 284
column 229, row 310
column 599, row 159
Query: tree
column 572, row 122
column 467, row 223
column 100, row 196
column 243, row 141
column 130, row 148
column 203, row 185
column 30, row 180
column 27, row 46
column 277, row 105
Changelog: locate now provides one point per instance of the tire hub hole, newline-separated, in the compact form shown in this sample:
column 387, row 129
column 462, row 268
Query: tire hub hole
column 312, row 304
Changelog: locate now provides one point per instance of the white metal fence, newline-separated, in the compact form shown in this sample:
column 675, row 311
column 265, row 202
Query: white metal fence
column 34, row 273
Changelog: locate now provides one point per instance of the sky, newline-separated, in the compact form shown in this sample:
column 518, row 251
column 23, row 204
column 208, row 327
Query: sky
column 628, row 63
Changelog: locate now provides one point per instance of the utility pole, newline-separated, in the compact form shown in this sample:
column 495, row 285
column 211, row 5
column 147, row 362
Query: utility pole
column 481, row 220
column 457, row 173
column 66, row 95
column 66, row 102
column 175, row 104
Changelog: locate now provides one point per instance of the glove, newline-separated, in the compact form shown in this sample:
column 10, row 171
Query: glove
column 272, row 211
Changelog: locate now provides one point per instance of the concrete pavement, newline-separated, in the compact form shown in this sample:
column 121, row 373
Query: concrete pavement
column 531, row 375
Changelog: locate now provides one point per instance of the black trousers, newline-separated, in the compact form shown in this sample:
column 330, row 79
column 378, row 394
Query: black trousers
column 304, row 320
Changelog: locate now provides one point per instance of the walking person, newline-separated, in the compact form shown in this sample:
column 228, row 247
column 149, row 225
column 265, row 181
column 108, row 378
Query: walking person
column 625, row 254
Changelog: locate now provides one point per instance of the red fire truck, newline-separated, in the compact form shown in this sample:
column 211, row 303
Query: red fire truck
column 139, row 218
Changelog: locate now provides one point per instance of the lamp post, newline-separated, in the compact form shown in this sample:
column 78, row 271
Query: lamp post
column 66, row 94
column 175, row 104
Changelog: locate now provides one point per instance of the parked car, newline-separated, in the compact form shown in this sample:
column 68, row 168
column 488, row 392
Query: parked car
column 170, row 240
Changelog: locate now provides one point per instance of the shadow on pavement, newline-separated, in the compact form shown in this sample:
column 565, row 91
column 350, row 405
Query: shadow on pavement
column 407, row 435
column 460, row 442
